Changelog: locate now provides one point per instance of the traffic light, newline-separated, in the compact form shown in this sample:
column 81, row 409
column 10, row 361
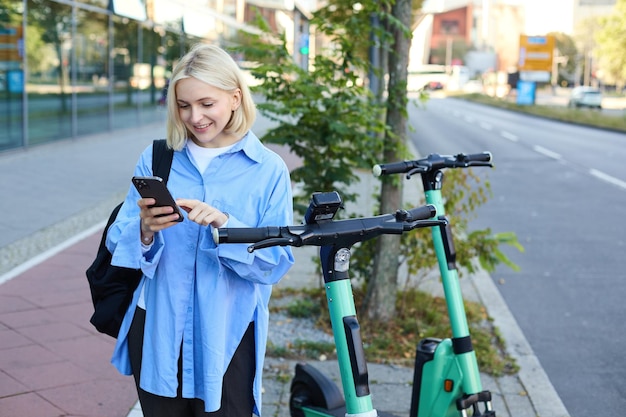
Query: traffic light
column 304, row 44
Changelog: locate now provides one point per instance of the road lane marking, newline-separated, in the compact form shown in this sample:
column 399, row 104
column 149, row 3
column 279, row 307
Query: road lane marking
column 606, row 177
column 547, row 152
column 485, row 125
column 509, row 136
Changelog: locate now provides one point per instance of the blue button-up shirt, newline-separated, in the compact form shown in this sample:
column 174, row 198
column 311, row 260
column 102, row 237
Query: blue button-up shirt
column 198, row 295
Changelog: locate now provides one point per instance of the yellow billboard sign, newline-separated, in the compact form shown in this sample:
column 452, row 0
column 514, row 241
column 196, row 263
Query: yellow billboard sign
column 536, row 53
column 10, row 42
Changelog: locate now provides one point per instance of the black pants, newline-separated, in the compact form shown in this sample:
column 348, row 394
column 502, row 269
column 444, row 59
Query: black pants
column 237, row 396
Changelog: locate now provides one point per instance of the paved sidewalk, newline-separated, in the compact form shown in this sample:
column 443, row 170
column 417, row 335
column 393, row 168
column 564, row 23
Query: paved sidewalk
column 54, row 363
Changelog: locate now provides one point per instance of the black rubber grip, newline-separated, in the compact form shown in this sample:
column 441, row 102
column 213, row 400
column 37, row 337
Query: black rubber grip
column 392, row 168
column 423, row 213
column 478, row 157
column 246, row 234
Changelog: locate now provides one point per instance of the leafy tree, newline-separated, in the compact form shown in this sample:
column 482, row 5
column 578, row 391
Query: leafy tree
column 10, row 13
column 566, row 47
column 379, row 302
column 611, row 48
column 326, row 116
column 54, row 26
column 584, row 37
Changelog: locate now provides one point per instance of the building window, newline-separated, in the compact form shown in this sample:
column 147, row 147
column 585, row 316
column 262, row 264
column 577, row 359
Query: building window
column 450, row 27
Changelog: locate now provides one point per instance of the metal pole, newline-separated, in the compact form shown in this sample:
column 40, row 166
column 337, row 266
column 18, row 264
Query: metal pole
column 25, row 140
column 374, row 56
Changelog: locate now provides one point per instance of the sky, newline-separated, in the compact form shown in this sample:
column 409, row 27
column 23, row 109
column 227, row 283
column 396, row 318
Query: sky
column 543, row 16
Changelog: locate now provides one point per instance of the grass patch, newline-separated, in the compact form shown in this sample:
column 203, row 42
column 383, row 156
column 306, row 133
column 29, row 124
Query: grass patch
column 304, row 308
column 419, row 315
column 302, row 349
column 582, row 116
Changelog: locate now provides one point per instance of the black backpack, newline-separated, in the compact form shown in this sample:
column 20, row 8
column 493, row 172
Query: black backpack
column 112, row 287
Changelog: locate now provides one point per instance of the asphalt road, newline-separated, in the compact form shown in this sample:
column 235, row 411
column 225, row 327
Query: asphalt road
column 562, row 189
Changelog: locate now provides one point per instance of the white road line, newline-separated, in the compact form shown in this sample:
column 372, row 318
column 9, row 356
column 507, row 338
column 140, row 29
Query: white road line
column 485, row 125
column 509, row 136
column 50, row 253
column 547, row 152
column 605, row 177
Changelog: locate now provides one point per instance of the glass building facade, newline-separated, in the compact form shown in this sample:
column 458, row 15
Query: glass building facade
column 71, row 68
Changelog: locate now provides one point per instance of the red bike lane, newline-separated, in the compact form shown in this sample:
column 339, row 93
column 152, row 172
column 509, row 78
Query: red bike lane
column 52, row 361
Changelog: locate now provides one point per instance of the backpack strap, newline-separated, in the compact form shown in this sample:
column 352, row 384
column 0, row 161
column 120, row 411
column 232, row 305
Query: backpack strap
column 162, row 156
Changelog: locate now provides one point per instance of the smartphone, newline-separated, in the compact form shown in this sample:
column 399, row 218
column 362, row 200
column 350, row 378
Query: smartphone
column 154, row 187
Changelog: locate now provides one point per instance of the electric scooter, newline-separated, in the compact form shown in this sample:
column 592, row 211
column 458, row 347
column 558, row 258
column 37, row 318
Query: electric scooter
column 312, row 393
column 446, row 379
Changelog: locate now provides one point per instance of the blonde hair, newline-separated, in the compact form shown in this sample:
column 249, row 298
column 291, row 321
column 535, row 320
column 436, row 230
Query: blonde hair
column 212, row 65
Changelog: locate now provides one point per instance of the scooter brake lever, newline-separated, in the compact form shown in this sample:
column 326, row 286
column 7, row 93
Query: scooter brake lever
column 267, row 243
column 425, row 223
column 417, row 170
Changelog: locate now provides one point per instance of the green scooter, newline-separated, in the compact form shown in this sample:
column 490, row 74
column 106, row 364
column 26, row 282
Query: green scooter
column 446, row 380
column 312, row 393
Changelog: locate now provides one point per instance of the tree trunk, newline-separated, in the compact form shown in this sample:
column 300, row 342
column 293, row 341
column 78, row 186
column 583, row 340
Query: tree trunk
column 382, row 287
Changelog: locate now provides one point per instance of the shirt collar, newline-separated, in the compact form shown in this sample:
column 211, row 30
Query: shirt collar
column 251, row 146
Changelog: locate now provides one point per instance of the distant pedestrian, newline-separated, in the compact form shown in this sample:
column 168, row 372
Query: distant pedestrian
column 195, row 333
column 163, row 98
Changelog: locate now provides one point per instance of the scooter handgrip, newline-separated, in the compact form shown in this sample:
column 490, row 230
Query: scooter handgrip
column 392, row 168
column 478, row 157
column 423, row 213
column 244, row 234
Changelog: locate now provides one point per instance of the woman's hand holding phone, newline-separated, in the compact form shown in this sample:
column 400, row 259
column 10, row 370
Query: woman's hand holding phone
column 158, row 210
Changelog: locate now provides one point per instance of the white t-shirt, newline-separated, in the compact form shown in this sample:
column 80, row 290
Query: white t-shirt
column 202, row 157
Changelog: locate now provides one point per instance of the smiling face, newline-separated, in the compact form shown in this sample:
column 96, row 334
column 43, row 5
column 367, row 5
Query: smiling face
column 206, row 110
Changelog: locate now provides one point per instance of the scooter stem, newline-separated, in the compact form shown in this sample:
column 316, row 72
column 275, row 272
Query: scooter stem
column 446, row 256
column 346, row 330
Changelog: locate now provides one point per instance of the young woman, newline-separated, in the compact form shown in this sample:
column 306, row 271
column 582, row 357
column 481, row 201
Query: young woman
column 195, row 333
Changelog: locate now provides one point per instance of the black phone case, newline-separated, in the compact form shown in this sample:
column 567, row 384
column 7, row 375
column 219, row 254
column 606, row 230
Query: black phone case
column 154, row 187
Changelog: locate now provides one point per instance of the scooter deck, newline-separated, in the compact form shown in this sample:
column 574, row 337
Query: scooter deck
column 341, row 412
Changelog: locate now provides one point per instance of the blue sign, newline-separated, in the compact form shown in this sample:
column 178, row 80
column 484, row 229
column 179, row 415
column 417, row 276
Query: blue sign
column 15, row 81
column 526, row 91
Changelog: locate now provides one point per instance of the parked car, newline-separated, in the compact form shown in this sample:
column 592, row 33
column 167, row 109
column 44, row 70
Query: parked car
column 433, row 85
column 586, row 97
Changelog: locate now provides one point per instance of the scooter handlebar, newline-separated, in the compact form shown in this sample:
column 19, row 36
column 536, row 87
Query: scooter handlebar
column 345, row 232
column 477, row 157
column 393, row 168
column 245, row 234
column 433, row 162
column 422, row 213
